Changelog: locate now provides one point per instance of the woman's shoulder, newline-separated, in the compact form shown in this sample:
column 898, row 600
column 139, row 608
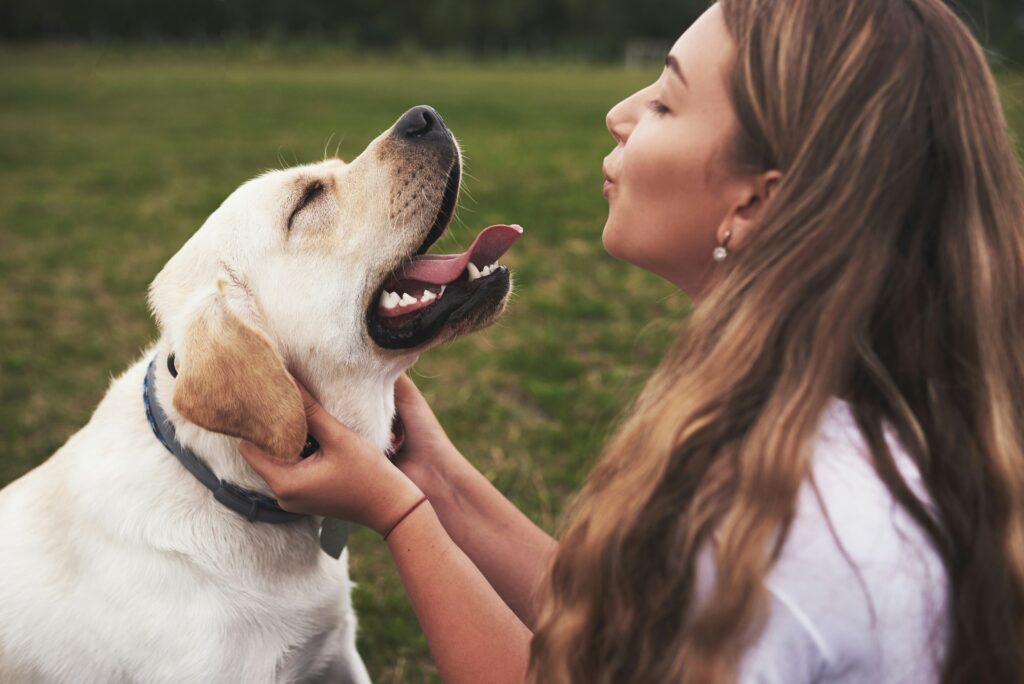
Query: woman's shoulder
column 846, row 492
column 858, row 583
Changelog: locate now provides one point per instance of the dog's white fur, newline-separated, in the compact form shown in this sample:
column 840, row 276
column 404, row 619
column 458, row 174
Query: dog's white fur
column 116, row 565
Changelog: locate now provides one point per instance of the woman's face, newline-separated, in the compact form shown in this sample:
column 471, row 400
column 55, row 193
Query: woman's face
column 667, row 181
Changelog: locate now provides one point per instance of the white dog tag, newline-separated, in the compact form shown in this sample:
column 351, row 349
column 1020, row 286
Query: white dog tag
column 334, row 536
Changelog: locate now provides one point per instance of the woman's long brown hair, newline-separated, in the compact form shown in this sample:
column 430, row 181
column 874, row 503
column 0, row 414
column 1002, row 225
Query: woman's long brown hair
column 888, row 270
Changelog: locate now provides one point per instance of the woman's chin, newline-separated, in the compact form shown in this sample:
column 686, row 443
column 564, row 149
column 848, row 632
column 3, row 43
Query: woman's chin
column 616, row 241
column 612, row 242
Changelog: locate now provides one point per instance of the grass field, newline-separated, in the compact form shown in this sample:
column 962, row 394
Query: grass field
column 110, row 159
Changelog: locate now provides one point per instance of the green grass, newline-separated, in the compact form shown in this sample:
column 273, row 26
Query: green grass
column 111, row 158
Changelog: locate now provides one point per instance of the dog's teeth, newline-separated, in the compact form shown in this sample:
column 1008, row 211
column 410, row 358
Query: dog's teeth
column 441, row 292
column 485, row 271
column 388, row 300
column 494, row 267
column 393, row 299
column 407, row 299
column 474, row 272
column 428, row 296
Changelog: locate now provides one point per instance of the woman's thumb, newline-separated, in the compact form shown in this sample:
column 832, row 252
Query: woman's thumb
column 265, row 465
column 321, row 423
column 407, row 394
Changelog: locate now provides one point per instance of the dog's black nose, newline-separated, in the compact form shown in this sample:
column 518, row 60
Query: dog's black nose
column 421, row 125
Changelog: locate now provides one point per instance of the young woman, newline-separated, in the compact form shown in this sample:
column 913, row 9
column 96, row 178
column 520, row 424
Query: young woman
column 824, row 480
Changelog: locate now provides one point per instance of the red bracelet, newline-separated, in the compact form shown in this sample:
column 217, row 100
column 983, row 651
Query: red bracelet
column 404, row 516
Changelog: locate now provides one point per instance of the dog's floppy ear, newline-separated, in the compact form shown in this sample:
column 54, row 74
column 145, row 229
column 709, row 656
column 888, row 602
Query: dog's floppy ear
column 232, row 380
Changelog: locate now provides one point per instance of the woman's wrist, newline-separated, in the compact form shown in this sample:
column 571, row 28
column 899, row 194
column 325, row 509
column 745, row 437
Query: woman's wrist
column 412, row 509
column 416, row 516
column 437, row 472
column 394, row 505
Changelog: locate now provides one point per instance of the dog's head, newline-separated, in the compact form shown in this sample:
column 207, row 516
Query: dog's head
column 322, row 265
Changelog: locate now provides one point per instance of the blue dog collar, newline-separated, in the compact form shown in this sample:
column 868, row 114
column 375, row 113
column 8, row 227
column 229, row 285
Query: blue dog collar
column 253, row 506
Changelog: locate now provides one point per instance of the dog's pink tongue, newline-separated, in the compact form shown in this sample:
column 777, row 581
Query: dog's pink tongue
column 441, row 269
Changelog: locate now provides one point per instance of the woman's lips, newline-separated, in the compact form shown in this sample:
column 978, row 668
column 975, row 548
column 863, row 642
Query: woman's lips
column 609, row 181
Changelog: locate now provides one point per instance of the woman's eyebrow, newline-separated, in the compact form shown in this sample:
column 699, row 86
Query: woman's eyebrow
column 673, row 64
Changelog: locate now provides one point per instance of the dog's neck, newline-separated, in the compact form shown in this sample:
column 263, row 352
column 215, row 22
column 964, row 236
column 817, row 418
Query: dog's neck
column 363, row 401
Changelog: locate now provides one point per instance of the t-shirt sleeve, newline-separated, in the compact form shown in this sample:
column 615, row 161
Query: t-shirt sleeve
column 787, row 651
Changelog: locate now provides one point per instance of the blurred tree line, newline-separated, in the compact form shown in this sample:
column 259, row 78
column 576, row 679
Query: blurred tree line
column 598, row 28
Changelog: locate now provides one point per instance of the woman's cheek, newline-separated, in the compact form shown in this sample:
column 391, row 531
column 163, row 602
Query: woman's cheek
column 645, row 205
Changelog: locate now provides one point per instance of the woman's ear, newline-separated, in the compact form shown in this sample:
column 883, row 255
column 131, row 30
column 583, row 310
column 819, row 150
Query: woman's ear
column 232, row 380
column 743, row 220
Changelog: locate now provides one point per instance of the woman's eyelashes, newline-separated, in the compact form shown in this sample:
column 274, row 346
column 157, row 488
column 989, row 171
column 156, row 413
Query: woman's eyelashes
column 658, row 107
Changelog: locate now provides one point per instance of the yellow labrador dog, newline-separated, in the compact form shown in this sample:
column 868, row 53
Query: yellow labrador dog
column 146, row 550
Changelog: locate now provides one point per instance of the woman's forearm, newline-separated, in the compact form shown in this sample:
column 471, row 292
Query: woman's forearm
column 509, row 549
column 473, row 635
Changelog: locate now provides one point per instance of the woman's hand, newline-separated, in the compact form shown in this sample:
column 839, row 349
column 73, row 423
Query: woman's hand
column 428, row 455
column 346, row 478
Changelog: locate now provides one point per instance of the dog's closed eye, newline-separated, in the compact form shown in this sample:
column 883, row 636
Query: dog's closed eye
column 309, row 194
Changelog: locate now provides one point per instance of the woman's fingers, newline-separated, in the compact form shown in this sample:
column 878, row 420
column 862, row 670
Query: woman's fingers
column 277, row 474
column 413, row 407
column 283, row 476
column 321, row 424
column 348, row 477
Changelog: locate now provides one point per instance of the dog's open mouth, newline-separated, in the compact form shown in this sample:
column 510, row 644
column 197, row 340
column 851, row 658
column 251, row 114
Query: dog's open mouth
column 425, row 281
column 432, row 289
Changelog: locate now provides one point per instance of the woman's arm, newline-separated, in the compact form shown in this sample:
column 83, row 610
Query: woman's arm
column 508, row 548
column 472, row 634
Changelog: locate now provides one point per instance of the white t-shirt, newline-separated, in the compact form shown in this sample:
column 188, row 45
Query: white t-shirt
column 827, row 624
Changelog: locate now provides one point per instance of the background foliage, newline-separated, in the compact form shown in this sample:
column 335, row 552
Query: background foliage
column 591, row 27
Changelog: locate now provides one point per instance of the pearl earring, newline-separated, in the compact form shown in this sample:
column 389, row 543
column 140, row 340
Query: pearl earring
column 721, row 252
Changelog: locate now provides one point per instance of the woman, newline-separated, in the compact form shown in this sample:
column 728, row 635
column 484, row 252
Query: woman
column 824, row 479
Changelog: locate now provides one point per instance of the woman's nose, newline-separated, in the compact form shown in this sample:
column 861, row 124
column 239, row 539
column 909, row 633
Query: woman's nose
column 619, row 122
